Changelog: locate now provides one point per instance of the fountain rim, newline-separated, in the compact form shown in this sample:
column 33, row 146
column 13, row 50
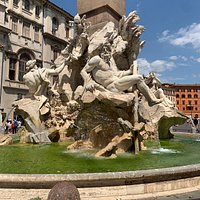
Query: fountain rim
column 82, row 180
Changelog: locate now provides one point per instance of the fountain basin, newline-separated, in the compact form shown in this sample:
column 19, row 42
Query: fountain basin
column 123, row 185
column 45, row 181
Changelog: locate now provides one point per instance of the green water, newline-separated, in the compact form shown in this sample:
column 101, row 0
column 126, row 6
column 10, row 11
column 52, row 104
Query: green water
column 54, row 158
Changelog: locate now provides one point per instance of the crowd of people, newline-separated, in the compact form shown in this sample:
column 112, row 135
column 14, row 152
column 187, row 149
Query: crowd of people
column 12, row 126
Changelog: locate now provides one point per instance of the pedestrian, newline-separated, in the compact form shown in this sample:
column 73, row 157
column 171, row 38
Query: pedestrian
column 14, row 126
column 196, row 122
column 9, row 126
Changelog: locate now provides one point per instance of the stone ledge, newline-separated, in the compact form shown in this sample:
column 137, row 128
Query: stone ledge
column 140, row 191
column 47, row 181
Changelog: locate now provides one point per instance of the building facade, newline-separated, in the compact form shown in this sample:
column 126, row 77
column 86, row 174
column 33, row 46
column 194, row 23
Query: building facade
column 98, row 13
column 187, row 99
column 169, row 92
column 29, row 29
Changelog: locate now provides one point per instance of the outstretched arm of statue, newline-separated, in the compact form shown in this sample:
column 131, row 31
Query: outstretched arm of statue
column 57, row 70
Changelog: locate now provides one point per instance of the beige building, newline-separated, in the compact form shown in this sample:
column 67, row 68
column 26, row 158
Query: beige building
column 29, row 29
column 55, row 33
column 39, row 29
column 169, row 91
column 101, row 11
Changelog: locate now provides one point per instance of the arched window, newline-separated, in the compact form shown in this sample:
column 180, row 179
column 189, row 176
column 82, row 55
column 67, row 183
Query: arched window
column 22, row 65
column 177, row 96
column 189, row 96
column 54, row 25
column 27, row 5
column 182, row 96
column 12, row 69
column 195, row 95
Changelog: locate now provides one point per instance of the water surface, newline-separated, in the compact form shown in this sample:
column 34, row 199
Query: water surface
column 55, row 159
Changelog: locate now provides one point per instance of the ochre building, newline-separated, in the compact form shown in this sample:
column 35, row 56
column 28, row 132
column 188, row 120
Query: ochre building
column 187, row 98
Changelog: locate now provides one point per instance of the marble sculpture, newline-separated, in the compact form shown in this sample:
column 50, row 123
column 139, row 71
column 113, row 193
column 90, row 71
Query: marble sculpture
column 100, row 99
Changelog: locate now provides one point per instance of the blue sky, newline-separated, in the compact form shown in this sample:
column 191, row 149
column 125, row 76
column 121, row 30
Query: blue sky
column 172, row 35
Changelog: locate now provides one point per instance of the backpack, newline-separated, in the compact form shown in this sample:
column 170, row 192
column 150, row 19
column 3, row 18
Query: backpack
column 15, row 123
column 12, row 125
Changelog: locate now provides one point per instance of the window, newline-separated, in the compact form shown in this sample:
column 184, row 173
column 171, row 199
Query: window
column 27, row 5
column 12, row 69
column 189, row 102
column 182, row 90
column 195, row 102
column 195, row 90
column 67, row 28
column 195, row 95
column 37, row 11
column 177, row 96
column 189, row 96
column 14, row 24
column 177, row 102
column 67, row 32
column 196, row 108
column 26, row 29
column 36, row 34
column 15, row 2
column 189, row 90
column 56, row 53
column 22, row 65
column 189, row 108
column 183, row 96
column 54, row 25
column 183, row 108
column 183, row 102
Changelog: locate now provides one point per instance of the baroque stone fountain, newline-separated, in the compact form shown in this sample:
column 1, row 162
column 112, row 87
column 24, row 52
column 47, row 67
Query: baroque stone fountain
column 100, row 99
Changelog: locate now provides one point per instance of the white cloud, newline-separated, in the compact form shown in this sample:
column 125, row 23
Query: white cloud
column 197, row 59
column 173, row 79
column 162, row 65
column 196, row 75
column 157, row 66
column 189, row 35
column 174, row 58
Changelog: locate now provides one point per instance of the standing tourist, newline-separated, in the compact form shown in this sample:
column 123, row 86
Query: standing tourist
column 196, row 122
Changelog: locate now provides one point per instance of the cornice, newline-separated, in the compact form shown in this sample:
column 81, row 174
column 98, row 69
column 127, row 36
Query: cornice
column 53, row 37
column 59, row 9
column 5, row 29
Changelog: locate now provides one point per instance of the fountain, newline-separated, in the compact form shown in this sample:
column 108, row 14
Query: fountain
column 102, row 104
column 100, row 100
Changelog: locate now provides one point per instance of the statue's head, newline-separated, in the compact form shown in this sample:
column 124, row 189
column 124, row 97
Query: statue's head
column 30, row 64
column 77, row 19
column 105, row 52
